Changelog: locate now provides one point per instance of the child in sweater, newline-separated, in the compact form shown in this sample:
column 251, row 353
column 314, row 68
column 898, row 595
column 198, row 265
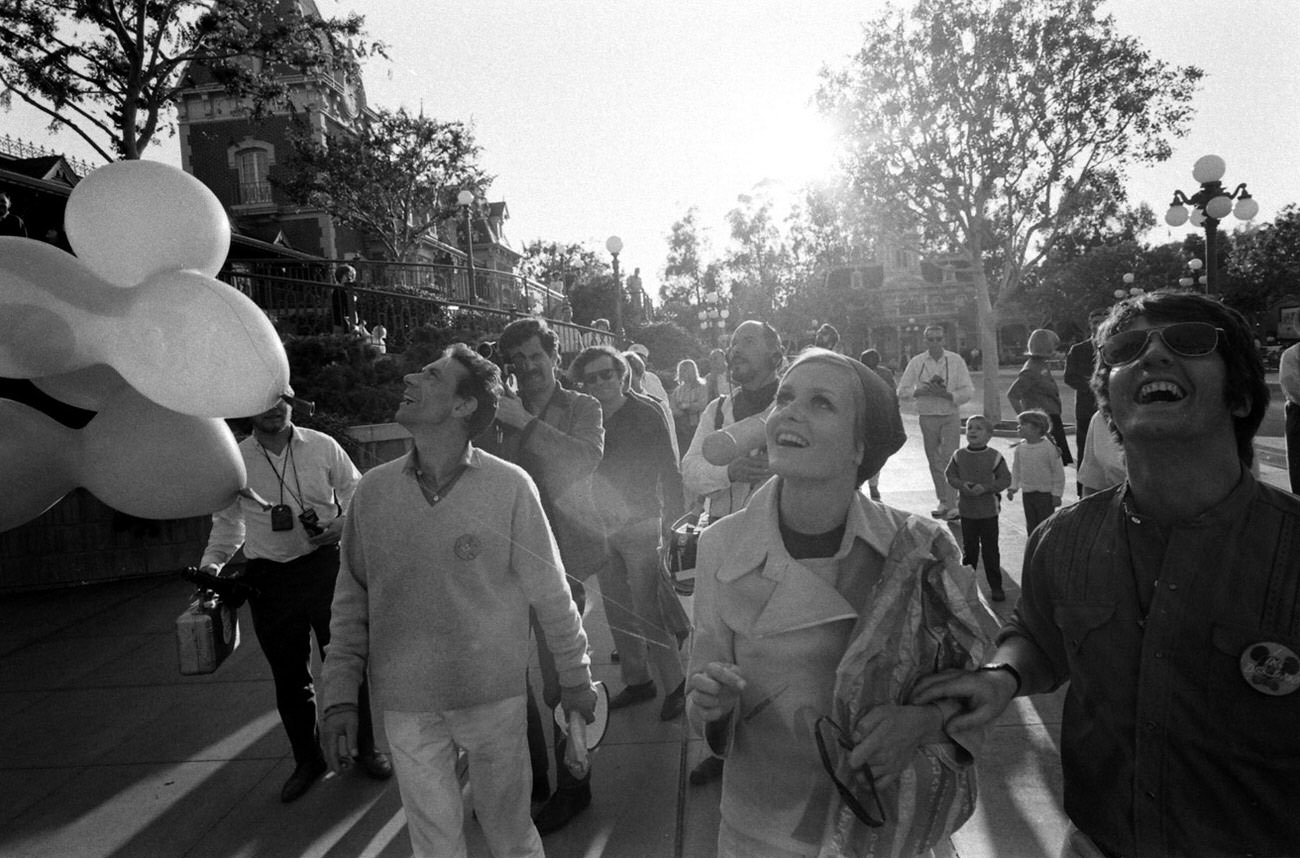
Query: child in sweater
column 1036, row 468
column 979, row 474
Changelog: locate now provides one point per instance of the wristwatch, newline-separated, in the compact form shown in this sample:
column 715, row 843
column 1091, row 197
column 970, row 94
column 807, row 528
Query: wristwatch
column 1002, row 665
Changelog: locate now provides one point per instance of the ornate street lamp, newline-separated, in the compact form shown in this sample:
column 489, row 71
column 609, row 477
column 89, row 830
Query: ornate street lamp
column 614, row 245
column 1188, row 281
column 712, row 314
column 465, row 199
column 1211, row 204
column 1128, row 279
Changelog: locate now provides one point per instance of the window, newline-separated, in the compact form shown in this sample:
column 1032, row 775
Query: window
column 253, row 166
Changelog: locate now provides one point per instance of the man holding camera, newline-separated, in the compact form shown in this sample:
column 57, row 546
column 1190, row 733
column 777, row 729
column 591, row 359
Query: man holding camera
column 939, row 381
column 292, row 548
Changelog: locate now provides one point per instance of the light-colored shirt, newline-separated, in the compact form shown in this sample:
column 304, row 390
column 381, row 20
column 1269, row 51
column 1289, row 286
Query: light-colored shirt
column 311, row 471
column 432, row 599
column 1102, row 464
column 951, row 368
column 1037, row 468
column 1289, row 373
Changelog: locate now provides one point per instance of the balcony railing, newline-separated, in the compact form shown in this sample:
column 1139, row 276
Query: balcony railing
column 254, row 193
column 301, row 298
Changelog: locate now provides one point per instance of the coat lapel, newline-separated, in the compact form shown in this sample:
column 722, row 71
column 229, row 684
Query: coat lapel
column 799, row 600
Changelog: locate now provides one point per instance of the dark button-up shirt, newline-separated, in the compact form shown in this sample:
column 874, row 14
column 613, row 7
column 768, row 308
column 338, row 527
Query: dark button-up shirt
column 1170, row 745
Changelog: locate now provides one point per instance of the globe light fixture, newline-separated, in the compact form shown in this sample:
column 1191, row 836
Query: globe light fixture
column 1211, row 204
column 1121, row 294
column 465, row 199
column 614, row 245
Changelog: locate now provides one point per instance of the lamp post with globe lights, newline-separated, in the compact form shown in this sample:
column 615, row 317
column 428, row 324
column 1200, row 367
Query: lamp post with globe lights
column 614, row 245
column 1211, row 204
column 465, row 199
column 1121, row 294
column 712, row 315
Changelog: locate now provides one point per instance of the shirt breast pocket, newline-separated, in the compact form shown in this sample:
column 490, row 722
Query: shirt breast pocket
column 1078, row 621
column 1260, row 675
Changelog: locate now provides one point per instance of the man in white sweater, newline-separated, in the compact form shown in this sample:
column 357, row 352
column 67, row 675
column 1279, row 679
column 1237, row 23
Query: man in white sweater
column 444, row 552
column 939, row 381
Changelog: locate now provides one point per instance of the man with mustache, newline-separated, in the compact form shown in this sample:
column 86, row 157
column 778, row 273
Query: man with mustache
column 754, row 357
column 558, row 437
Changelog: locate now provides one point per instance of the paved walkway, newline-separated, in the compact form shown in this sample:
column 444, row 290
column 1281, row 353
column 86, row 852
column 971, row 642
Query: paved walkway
column 110, row 753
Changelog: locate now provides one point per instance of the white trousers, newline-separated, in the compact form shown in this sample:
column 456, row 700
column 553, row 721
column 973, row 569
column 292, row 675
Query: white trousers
column 423, row 746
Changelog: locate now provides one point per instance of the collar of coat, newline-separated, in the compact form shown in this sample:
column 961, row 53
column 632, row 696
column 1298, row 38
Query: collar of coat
column 796, row 597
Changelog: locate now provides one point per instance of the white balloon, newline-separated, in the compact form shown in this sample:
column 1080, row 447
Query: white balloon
column 150, row 462
column 198, row 346
column 185, row 339
column 130, row 219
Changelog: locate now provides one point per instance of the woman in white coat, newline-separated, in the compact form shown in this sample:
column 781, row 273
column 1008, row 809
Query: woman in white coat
column 816, row 609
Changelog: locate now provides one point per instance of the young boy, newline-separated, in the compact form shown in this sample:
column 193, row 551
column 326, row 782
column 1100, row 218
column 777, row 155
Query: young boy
column 979, row 474
column 1036, row 468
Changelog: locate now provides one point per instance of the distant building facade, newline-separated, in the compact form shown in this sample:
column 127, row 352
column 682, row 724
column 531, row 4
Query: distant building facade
column 890, row 301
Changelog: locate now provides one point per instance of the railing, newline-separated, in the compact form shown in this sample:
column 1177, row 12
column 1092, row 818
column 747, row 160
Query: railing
column 301, row 298
column 254, row 193
column 20, row 148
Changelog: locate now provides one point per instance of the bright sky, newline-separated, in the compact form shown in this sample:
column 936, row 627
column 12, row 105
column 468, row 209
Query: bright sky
column 606, row 118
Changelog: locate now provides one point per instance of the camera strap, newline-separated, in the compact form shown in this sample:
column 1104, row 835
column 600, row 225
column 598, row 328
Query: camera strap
column 291, row 463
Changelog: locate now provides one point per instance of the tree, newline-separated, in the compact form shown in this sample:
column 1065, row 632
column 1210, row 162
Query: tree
column 1264, row 264
column 983, row 123
column 757, row 265
column 110, row 71
column 684, row 275
column 550, row 262
column 396, row 178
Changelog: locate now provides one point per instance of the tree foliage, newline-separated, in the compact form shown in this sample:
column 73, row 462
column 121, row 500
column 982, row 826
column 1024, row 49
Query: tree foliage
column 551, row 262
column 396, row 178
column 111, row 70
column 986, row 125
column 1264, row 264
column 757, row 264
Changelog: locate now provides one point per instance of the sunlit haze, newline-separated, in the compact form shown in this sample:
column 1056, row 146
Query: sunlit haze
column 611, row 118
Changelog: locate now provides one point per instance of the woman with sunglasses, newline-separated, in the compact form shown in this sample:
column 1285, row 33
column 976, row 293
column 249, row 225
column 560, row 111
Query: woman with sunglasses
column 809, row 633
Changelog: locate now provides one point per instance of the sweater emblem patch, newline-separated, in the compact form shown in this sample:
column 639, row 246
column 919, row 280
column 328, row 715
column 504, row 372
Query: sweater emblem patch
column 467, row 546
column 1271, row 668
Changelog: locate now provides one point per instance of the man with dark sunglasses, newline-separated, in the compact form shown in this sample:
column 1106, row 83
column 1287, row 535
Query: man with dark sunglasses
column 1171, row 604
column 637, row 488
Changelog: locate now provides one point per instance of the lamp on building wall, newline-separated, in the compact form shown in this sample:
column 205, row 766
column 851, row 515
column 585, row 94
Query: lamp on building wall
column 1211, row 204
column 614, row 245
column 465, row 199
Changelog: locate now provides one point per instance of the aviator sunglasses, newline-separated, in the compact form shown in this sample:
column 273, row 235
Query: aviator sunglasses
column 1189, row 339
column 828, row 731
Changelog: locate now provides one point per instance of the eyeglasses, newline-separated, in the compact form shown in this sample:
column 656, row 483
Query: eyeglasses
column 599, row 375
column 934, row 339
column 828, row 730
column 1189, row 339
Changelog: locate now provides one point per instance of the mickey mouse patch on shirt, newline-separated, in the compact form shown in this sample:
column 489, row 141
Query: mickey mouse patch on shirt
column 1271, row 668
column 467, row 546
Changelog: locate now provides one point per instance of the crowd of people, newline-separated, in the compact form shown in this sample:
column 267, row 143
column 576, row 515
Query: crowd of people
column 845, row 662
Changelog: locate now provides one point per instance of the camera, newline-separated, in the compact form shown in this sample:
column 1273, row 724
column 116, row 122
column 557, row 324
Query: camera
column 281, row 517
column 311, row 522
column 938, row 381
